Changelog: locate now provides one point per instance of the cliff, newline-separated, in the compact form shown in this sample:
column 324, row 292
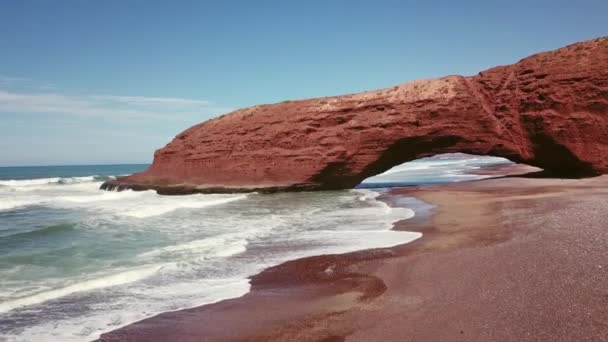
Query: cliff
column 549, row 110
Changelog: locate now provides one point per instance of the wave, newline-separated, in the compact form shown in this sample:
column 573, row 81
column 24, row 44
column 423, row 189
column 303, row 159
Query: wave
column 9, row 204
column 445, row 168
column 90, row 326
column 212, row 247
column 17, row 183
column 48, row 230
column 95, row 178
column 366, row 195
column 406, row 167
column 426, row 164
column 29, row 182
column 190, row 202
column 83, row 193
column 179, row 260
column 87, row 285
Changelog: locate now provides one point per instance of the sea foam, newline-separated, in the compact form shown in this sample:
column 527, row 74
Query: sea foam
column 21, row 183
column 191, row 202
column 104, row 281
column 129, row 255
column 84, row 193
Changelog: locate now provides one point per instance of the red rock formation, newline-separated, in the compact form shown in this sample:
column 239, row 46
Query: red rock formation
column 548, row 110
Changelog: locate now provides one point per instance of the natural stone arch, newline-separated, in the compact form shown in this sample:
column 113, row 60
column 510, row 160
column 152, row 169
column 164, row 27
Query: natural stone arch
column 560, row 162
column 549, row 110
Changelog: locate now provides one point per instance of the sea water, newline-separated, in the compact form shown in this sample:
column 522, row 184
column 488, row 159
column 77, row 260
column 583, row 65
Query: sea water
column 76, row 261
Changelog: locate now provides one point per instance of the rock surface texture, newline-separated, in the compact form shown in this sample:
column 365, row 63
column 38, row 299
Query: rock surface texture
column 549, row 110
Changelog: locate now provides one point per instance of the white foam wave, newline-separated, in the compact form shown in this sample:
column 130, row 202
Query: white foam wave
column 84, row 193
column 452, row 167
column 29, row 182
column 45, row 181
column 426, row 164
column 209, row 247
column 406, row 167
column 9, row 204
column 84, row 197
column 50, row 184
column 190, row 202
column 105, row 281
column 90, row 327
column 366, row 195
column 198, row 267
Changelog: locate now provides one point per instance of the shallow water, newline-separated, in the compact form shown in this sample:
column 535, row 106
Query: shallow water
column 441, row 169
column 76, row 261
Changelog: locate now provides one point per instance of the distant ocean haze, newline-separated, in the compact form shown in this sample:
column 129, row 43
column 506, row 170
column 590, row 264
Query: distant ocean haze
column 76, row 261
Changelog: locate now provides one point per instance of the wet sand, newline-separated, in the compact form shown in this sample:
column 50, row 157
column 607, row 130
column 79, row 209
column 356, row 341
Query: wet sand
column 510, row 259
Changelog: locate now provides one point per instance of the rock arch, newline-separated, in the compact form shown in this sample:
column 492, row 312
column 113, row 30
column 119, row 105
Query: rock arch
column 549, row 110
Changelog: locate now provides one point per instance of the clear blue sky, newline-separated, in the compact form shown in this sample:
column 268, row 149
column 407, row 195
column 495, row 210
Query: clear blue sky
column 110, row 81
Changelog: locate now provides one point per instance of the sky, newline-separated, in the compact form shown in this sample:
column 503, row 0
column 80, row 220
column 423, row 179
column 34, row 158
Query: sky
column 103, row 82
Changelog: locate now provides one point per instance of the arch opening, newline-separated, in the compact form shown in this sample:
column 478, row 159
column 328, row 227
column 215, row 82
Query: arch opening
column 446, row 168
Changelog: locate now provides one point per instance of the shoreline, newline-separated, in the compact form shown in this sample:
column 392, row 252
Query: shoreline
column 316, row 276
column 331, row 297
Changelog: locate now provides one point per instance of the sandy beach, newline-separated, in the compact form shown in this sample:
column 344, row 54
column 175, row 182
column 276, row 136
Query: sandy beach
column 313, row 171
column 506, row 259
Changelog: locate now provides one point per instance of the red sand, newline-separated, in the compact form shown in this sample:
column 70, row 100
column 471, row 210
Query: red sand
column 509, row 259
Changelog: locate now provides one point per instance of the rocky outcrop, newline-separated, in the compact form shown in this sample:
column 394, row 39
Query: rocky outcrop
column 549, row 110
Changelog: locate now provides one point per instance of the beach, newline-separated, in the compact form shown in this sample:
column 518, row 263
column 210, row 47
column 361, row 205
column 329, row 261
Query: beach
column 508, row 259
column 76, row 261
column 319, row 172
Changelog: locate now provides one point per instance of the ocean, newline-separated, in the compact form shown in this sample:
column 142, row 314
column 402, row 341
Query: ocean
column 76, row 261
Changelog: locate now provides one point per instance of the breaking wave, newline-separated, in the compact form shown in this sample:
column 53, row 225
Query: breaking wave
column 76, row 261
column 101, row 282
column 18, row 183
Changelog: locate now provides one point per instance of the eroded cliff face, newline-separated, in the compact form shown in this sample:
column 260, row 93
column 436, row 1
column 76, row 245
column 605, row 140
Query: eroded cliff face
column 549, row 110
